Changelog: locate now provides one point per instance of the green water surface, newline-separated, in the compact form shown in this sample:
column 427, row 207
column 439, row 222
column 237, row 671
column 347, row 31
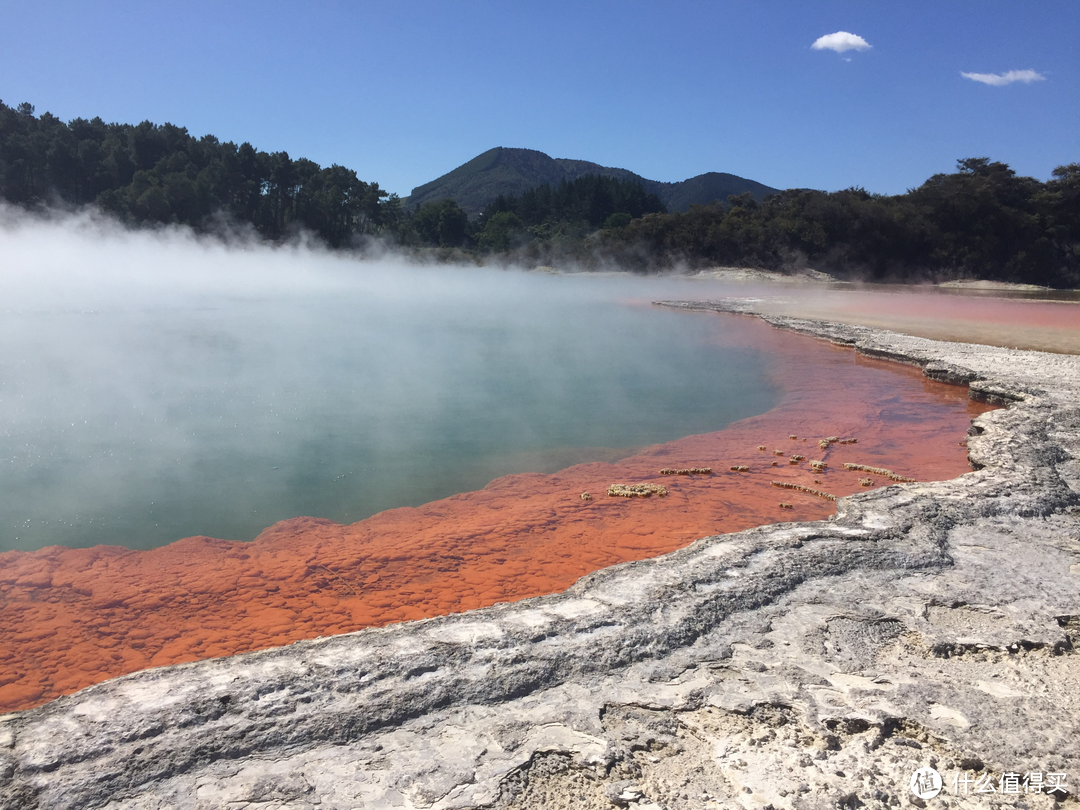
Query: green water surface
column 140, row 422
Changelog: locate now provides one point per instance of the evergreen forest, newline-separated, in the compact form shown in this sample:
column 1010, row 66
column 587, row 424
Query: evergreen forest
column 146, row 173
column 980, row 221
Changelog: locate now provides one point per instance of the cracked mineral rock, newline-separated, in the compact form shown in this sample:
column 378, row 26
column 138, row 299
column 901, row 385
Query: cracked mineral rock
column 798, row 665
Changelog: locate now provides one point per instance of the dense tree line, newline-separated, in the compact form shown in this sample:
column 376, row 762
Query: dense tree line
column 588, row 200
column 151, row 173
column 567, row 211
column 982, row 221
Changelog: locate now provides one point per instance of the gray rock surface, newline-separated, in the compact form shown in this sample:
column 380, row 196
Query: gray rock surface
column 791, row 666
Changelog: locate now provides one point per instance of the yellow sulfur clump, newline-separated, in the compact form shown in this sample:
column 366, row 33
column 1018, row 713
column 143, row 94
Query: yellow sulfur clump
column 824, row 443
column 879, row 471
column 636, row 490
column 585, row 496
column 807, row 490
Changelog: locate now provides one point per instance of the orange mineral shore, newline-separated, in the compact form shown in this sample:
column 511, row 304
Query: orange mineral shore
column 73, row 617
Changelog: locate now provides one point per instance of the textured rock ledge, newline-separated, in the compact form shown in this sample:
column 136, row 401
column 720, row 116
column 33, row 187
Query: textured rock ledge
column 796, row 665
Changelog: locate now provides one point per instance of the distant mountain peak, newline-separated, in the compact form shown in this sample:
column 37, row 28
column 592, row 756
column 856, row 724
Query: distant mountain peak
column 510, row 171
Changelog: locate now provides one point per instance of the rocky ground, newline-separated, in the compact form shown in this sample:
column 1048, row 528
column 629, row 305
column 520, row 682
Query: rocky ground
column 798, row 665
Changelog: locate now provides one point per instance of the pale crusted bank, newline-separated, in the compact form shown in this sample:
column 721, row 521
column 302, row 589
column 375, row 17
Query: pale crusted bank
column 793, row 666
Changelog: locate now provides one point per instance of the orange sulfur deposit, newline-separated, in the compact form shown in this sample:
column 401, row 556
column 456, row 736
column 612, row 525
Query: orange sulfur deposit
column 73, row 617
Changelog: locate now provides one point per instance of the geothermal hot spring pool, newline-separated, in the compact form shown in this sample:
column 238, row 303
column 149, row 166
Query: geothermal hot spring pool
column 347, row 444
column 139, row 421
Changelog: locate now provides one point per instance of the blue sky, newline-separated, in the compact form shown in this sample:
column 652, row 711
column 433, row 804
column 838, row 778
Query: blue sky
column 406, row 91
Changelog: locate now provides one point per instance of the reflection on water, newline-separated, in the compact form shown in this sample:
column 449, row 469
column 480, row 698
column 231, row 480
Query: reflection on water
column 140, row 423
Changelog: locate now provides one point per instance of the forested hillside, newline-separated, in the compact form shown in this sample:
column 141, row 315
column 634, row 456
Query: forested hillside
column 151, row 173
column 571, row 209
column 504, row 172
column 981, row 221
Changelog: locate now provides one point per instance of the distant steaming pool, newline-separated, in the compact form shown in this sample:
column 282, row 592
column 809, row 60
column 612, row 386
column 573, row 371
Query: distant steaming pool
column 156, row 414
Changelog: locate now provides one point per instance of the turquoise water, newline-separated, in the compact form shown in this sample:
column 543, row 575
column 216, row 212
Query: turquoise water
column 201, row 409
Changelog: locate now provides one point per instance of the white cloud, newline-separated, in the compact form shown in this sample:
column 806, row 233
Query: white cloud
column 999, row 79
column 841, row 41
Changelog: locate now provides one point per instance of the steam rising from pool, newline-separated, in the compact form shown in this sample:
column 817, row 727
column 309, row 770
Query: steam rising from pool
column 155, row 385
